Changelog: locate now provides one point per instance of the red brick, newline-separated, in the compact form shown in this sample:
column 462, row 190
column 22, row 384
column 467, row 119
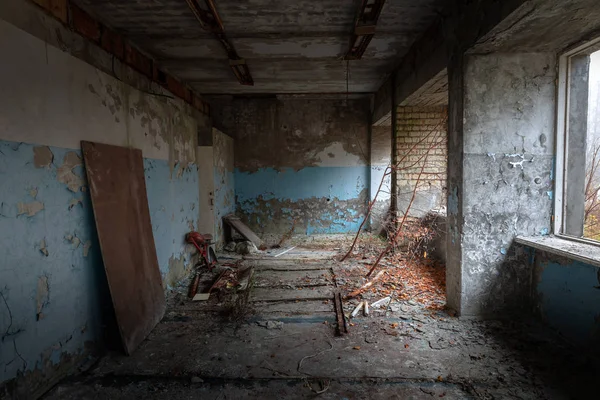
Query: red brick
column 56, row 8
column 84, row 24
column 112, row 42
column 188, row 95
column 138, row 61
column 175, row 87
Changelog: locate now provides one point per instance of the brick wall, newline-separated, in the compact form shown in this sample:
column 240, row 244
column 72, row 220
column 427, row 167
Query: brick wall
column 418, row 129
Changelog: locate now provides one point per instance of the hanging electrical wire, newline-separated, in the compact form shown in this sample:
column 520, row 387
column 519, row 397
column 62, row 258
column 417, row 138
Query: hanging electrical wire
column 347, row 81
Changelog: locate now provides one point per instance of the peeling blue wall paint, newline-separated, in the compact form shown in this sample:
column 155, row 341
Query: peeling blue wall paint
column 72, row 312
column 569, row 300
column 304, row 187
column 173, row 202
column 343, row 183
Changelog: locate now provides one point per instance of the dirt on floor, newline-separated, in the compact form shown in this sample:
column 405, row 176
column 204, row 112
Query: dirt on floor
column 277, row 338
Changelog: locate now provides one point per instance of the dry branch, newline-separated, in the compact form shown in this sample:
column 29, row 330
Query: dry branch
column 392, row 243
column 387, row 172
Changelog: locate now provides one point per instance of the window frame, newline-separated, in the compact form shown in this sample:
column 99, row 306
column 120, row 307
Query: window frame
column 562, row 138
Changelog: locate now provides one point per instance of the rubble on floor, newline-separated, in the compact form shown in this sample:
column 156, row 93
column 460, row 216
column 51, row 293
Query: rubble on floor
column 278, row 339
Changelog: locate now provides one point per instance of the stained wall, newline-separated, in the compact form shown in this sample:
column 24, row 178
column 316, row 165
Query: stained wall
column 54, row 303
column 566, row 296
column 301, row 165
column 224, row 181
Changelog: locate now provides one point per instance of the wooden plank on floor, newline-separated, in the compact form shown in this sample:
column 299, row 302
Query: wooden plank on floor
column 270, row 294
column 293, row 278
column 306, row 307
column 118, row 190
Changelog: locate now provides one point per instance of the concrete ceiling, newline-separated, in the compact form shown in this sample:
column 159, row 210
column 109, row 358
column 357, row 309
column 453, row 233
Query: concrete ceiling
column 543, row 26
column 291, row 46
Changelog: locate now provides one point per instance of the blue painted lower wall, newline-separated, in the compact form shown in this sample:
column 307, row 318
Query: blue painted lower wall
column 54, row 297
column 314, row 200
column 567, row 297
column 53, row 290
column 173, row 202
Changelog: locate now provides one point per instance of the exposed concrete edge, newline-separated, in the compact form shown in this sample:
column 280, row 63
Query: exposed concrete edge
column 584, row 252
column 453, row 34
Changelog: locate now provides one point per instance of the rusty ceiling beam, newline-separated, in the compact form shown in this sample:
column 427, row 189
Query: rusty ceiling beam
column 210, row 21
column 364, row 28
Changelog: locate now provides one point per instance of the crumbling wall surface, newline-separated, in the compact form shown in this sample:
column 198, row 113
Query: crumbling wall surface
column 224, row 198
column 422, row 157
column 53, row 288
column 301, row 163
column 567, row 297
column 501, row 148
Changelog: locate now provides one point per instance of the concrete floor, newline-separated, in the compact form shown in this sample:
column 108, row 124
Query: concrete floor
column 282, row 344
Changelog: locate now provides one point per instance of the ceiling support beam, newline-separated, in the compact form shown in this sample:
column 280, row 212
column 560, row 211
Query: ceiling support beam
column 364, row 28
column 210, row 21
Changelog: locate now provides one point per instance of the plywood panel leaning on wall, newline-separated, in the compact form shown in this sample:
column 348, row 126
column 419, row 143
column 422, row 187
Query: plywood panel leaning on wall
column 118, row 191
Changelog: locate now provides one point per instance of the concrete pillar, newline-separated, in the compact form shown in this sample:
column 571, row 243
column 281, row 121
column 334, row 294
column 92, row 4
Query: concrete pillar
column 500, row 160
column 381, row 150
column 579, row 71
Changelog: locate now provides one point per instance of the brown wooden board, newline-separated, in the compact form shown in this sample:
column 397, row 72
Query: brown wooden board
column 243, row 230
column 118, row 190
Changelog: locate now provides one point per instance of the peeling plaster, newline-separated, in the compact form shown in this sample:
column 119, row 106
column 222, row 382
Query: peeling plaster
column 74, row 240
column 42, row 295
column 86, row 248
column 335, row 155
column 177, row 270
column 296, row 134
column 65, row 174
column 30, row 209
column 75, row 201
column 42, row 157
column 43, row 248
column 310, row 216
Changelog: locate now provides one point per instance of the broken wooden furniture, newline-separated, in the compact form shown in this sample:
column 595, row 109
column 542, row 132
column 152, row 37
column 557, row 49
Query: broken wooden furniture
column 233, row 222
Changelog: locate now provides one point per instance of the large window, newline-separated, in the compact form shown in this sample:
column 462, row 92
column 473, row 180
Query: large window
column 578, row 144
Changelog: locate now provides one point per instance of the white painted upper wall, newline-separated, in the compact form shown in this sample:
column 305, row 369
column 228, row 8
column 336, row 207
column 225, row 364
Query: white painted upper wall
column 52, row 98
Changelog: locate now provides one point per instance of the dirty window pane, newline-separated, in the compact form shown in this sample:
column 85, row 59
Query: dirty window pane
column 592, row 182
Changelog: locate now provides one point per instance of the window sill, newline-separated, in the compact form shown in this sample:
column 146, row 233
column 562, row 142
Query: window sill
column 584, row 252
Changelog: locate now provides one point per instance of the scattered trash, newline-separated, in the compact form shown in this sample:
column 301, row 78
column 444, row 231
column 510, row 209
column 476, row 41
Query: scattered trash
column 285, row 251
column 357, row 309
column 356, row 347
column 206, row 295
column 231, row 221
column 381, row 302
column 270, row 324
column 366, row 308
column 244, row 277
column 366, row 285
column 246, row 247
column 230, row 247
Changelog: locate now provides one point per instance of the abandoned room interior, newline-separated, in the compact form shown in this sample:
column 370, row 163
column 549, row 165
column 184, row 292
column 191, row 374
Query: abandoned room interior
column 360, row 199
